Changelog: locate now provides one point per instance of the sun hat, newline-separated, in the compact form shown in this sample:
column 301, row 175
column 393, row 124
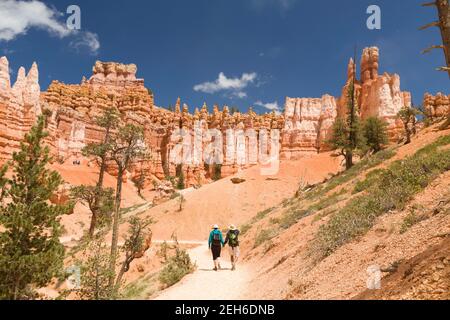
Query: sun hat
column 232, row 227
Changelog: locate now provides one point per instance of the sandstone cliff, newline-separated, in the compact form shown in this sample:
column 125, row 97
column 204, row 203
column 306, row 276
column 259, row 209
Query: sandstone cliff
column 308, row 121
column 304, row 128
column 436, row 106
column 19, row 106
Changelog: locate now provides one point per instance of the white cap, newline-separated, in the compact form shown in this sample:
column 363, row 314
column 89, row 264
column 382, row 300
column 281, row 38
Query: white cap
column 215, row 226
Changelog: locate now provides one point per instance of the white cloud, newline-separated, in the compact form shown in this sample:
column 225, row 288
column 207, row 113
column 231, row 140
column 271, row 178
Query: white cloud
column 18, row 17
column 233, row 86
column 87, row 40
column 272, row 106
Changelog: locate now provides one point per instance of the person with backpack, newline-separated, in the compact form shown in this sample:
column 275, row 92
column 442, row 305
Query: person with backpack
column 232, row 239
column 215, row 243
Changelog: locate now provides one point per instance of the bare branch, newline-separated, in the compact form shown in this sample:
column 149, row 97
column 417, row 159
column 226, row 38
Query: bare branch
column 432, row 24
column 429, row 49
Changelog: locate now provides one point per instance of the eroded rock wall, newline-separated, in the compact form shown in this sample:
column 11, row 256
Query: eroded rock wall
column 308, row 121
column 304, row 128
column 19, row 106
column 437, row 106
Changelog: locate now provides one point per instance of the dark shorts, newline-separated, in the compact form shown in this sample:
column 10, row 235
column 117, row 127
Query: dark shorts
column 216, row 250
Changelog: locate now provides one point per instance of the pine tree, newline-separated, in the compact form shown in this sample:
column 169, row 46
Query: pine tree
column 139, row 182
column 30, row 252
column 137, row 242
column 100, row 202
column 375, row 133
column 181, row 185
column 217, row 172
column 126, row 147
column 408, row 116
column 3, row 182
column 99, row 199
column 95, row 272
column 347, row 134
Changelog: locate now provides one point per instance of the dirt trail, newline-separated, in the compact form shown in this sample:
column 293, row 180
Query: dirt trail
column 206, row 284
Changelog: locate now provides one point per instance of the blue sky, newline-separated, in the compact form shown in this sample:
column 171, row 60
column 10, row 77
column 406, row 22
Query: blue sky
column 264, row 49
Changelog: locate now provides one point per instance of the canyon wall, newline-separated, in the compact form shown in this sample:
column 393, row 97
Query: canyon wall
column 380, row 95
column 72, row 111
column 304, row 128
column 437, row 106
column 308, row 121
column 308, row 124
column 19, row 106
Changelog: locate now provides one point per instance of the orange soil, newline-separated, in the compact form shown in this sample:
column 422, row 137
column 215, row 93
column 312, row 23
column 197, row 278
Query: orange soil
column 286, row 271
column 283, row 270
column 224, row 203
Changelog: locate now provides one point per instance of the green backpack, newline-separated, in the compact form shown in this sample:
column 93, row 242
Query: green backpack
column 233, row 239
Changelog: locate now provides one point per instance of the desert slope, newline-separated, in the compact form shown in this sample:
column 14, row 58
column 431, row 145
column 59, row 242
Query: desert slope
column 285, row 269
column 224, row 203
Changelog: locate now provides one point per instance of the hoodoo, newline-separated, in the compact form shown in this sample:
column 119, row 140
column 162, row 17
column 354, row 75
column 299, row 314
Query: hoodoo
column 304, row 127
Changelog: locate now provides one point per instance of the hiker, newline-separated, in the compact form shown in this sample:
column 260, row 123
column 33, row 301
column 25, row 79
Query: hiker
column 215, row 243
column 232, row 239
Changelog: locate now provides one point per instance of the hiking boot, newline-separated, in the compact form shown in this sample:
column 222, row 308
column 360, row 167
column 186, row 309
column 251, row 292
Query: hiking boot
column 215, row 269
column 233, row 268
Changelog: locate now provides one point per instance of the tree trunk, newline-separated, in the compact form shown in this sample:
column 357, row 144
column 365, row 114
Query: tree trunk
column 93, row 225
column 349, row 159
column 115, row 232
column 123, row 269
column 444, row 25
column 408, row 134
column 101, row 177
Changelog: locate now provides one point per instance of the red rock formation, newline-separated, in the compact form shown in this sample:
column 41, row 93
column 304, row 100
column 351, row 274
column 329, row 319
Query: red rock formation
column 307, row 125
column 74, row 108
column 436, row 106
column 71, row 111
column 19, row 106
column 380, row 95
column 308, row 121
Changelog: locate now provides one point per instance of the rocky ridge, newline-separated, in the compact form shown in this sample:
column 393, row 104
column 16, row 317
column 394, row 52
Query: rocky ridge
column 304, row 128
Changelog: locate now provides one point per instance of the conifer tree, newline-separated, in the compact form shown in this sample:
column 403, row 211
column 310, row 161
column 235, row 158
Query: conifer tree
column 408, row 116
column 127, row 146
column 98, row 199
column 30, row 252
column 375, row 133
column 347, row 134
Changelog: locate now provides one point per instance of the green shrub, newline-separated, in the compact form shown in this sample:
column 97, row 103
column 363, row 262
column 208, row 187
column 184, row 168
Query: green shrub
column 263, row 236
column 262, row 214
column 292, row 217
column 353, row 172
column 175, row 195
column 176, row 268
column 217, row 172
column 245, row 228
column 371, row 178
column 410, row 220
column 392, row 189
column 327, row 201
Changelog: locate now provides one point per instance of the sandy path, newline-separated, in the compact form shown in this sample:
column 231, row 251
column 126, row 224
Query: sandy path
column 206, row 284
